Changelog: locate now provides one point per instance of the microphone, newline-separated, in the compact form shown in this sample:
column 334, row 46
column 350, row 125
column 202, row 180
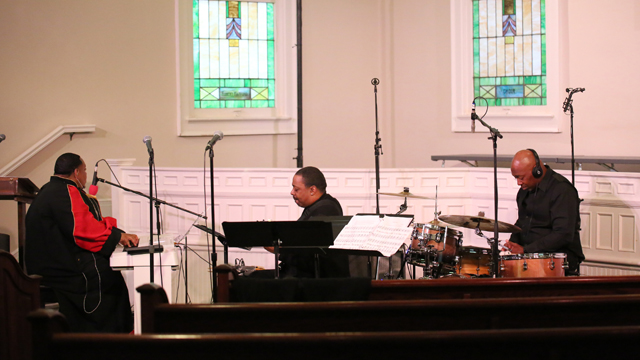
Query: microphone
column 218, row 135
column 375, row 81
column 567, row 102
column 473, row 117
column 93, row 189
column 2, row 137
column 147, row 141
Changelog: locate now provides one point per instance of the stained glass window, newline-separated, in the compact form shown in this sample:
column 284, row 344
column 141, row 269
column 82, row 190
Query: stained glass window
column 233, row 54
column 509, row 52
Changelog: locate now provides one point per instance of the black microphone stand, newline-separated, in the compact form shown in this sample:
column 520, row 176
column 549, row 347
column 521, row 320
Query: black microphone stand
column 495, row 134
column 377, row 147
column 151, row 249
column 568, row 105
column 214, row 254
column 377, row 150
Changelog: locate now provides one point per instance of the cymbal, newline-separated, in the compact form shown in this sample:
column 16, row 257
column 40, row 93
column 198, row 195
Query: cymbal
column 485, row 224
column 406, row 194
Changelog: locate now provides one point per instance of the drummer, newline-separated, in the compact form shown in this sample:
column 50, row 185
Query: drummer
column 548, row 211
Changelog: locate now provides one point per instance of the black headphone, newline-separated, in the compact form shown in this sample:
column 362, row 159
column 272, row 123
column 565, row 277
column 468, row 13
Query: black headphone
column 537, row 170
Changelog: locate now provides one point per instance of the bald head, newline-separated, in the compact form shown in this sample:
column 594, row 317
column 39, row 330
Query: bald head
column 521, row 168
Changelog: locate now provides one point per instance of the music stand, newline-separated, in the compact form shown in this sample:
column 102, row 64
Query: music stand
column 294, row 235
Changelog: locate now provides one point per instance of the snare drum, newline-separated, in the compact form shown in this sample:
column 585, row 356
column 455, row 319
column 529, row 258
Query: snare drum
column 474, row 261
column 437, row 240
column 533, row 265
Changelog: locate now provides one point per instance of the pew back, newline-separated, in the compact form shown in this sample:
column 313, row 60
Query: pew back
column 401, row 315
column 19, row 294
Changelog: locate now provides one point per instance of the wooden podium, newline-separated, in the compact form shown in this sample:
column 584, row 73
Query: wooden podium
column 21, row 190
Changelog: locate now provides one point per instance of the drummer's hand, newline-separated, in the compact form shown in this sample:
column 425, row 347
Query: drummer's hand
column 514, row 248
column 129, row 240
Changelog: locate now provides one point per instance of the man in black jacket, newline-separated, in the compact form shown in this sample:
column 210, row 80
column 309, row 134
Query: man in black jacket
column 548, row 211
column 69, row 243
column 309, row 191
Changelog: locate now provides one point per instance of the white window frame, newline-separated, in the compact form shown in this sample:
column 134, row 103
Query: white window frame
column 543, row 118
column 240, row 121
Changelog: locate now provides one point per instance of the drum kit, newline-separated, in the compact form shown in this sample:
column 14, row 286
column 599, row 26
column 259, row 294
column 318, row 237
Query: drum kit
column 437, row 248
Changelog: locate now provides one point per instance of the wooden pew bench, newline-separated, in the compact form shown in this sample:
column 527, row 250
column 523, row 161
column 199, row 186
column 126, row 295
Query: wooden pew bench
column 19, row 295
column 456, row 288
column 523, row 344
column 159, row 317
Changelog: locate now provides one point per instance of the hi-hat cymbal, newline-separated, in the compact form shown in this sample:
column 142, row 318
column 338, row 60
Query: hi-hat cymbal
column 485, row 224
column 406, row 194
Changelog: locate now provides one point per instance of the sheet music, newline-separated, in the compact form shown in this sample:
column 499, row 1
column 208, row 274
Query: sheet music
column 355, row 235
column 392, row 232
column 371, row 232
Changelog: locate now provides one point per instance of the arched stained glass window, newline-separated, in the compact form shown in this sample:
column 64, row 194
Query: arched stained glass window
column 509, row 52
column 233, row 54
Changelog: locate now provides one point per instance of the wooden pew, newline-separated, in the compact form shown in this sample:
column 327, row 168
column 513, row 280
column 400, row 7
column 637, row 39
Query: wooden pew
column 19, row 295
column 456, row 288
column 159, row 317
column 523, row 344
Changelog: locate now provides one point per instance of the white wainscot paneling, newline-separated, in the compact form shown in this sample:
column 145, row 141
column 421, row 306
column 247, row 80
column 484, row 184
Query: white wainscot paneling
column 609, row 210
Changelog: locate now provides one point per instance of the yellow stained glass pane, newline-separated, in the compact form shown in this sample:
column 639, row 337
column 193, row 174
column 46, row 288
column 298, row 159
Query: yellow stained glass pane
column 233, row 9
column 234, row 42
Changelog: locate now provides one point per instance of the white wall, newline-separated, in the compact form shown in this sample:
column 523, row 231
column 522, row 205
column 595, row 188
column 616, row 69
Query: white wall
column 112, row 63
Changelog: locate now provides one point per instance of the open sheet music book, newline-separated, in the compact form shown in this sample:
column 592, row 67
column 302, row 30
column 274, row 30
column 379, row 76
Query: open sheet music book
column 374, row 233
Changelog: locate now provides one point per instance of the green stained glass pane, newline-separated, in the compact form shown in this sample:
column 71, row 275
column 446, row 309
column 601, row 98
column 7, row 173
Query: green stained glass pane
column 486, row 81
column 196, row 89
column 210, row 104
column 544, row 101
column 235, row 103
column 196, row 104
column 272, row 103
column 532, row 79
column 544, row 90
column 259, row 103
column 510, row 102
column 259, row 83
column 544, row 53
column 543, row 17
column 270, row 21
column 210, row 82
column 498, row 102
column 532, row 101
column 476, row 20
column 272, row 89
column 491, row 102
column 247, row 83
column 271, row 60
column 196, row 21
column 234, row 83
column 196, row 58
